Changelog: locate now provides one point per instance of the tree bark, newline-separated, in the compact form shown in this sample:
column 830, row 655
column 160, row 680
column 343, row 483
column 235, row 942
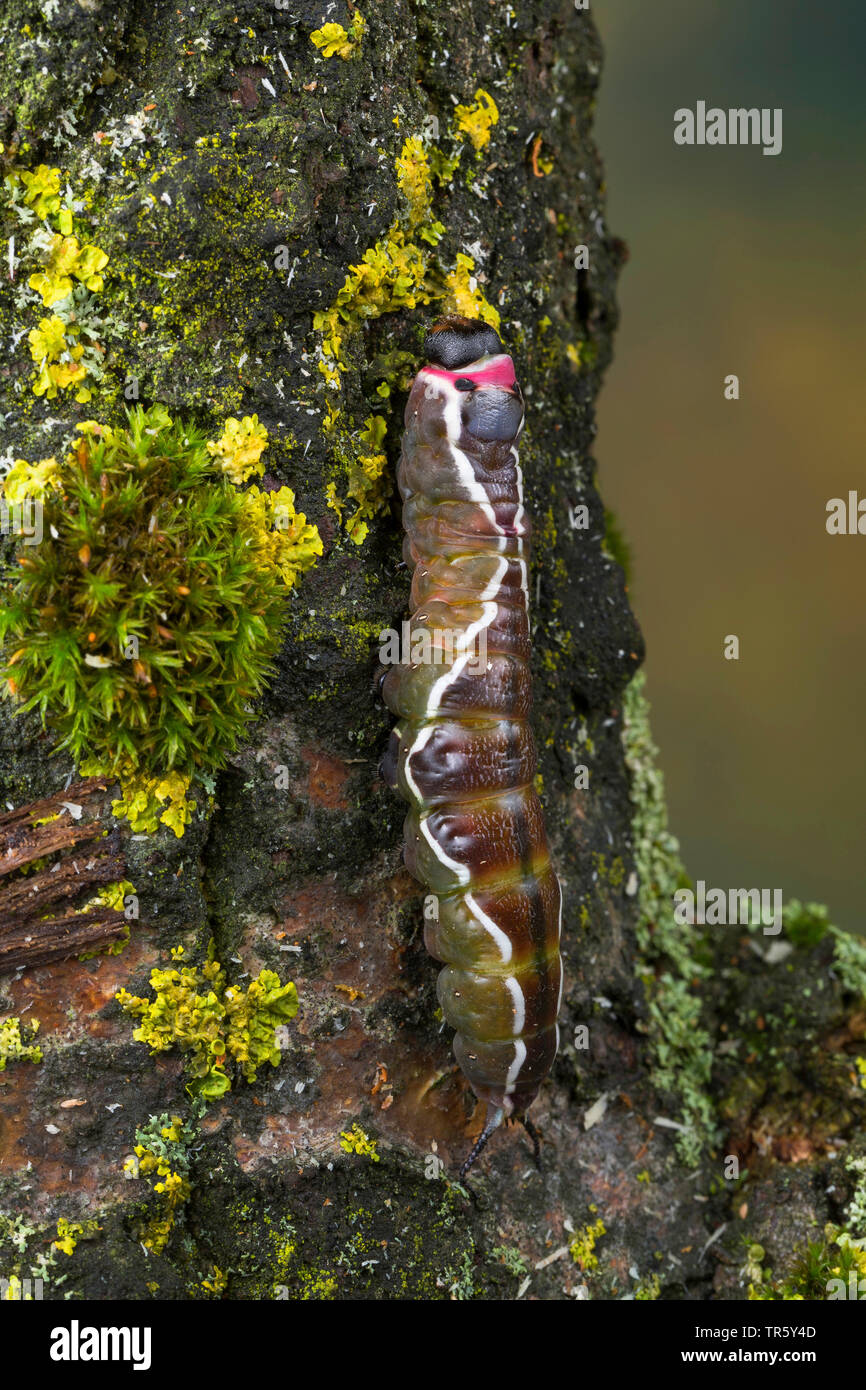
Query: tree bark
column 233, row 173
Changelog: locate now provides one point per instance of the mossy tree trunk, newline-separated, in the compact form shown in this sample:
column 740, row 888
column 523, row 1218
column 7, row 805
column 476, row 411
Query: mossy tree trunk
column 233, row 172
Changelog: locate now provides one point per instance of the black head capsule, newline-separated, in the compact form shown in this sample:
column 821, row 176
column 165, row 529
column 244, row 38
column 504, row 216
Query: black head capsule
column 454, row 341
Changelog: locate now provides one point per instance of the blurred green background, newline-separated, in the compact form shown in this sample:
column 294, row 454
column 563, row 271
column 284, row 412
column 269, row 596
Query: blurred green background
column 754, row 265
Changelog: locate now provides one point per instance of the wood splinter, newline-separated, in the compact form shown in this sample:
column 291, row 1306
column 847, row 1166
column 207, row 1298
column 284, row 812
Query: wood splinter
column 39, row 922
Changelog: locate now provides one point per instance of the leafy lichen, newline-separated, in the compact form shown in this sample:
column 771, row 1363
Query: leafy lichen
column 356, row 1141
column 162, row 1153
column 220, row 1028
column 477, row 118
column 18, row 1046
column 333, row 41
column 583, row 1243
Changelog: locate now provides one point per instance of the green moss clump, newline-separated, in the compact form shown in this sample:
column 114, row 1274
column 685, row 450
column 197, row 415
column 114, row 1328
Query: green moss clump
column 805, row 923
column 825, row 1270
column 147, row 618
column 215, row 1024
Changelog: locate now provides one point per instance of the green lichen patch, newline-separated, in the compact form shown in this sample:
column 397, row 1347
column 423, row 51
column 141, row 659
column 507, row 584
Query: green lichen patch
column 672, row 958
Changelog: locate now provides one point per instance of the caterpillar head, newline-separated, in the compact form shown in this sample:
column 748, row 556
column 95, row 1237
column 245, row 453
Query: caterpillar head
column 471, row 352
column 454, row 342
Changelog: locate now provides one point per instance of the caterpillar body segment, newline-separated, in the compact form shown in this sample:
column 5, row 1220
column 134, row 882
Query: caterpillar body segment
column 462, row 754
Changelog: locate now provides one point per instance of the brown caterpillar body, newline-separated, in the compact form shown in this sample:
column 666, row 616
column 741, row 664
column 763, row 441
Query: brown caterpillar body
column 462, row 754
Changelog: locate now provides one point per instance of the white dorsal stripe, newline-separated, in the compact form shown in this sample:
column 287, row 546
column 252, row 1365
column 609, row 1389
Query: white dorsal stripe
column 460, row 869
column 520, row 513
column 519, row 1003
column 514, row 1069
column 501, row 938
column 492, row 589
column 423, row 736
column 465, row 471
column 464, row 645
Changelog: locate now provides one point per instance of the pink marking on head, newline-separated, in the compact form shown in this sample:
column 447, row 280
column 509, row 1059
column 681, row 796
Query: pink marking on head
column 500, row 372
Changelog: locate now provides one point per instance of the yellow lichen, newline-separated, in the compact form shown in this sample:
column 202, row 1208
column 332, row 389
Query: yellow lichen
column 465, row 293
column 156, row 1153
column 58, row 359
column 42, row 189
column 391, row 274
column 216, row 1282
column 582, row 1247
column 59, row 343
column 240, row 447
column 30, row 480
column 368, row 485
column 398, row 272
column 68, row 258
column 477, row 119
column 142, row 800
column 13, row 1047
column 355, row 1141
column 415, row 181
column 214, row 1024
column 333, row 41
column 111, row 895
column 69, row 1233
column 285, row 541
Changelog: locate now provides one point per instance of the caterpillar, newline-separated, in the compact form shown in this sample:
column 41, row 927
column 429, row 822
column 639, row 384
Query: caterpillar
column 462, row 753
